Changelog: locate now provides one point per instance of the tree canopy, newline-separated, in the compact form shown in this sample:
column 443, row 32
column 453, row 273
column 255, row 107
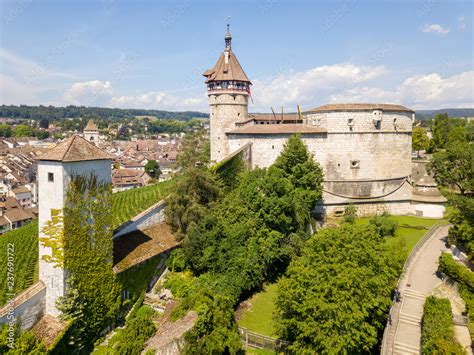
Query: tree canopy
column 333, row 299
column 420, row 140
column 238, row 235
column 454, row 166
column 152, row 168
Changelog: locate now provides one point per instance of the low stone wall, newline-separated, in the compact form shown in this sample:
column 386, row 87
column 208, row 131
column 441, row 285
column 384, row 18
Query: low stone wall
column 372, row 208
column 27, row 308
column 153, row 215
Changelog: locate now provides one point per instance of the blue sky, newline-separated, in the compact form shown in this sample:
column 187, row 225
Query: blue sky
column 151, row 54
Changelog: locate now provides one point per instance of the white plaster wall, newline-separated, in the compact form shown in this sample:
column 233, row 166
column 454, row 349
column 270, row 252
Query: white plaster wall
column 91, row 134
column 52, row 195
column 148, row 218
column 28, row 312
column 428, row 210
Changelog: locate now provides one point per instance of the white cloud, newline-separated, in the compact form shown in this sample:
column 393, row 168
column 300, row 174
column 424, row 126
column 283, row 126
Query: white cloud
column 161, row 101
column 89, row 93
column 101, row 93
column 461, row 22
column 435, row 28
column 310, row 86
column 419, row 91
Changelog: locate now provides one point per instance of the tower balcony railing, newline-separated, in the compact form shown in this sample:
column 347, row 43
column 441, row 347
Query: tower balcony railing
column 230, row 88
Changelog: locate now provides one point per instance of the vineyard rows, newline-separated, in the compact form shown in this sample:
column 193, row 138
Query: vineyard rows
column 128, row 204
column 22, row 244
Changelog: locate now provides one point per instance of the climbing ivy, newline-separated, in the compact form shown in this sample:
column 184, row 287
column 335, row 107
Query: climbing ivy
column 92, row 297
column 54, row 239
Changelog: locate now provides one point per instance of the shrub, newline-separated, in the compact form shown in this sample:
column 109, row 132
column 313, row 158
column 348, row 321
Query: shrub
column 179, row 284
column 384, row 224
column 465, row 278
column 457, row 272
column 350, row 214
column 437, row 334
column 134, row 336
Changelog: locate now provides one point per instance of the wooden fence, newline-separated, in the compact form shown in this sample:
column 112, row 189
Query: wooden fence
column 259, row 341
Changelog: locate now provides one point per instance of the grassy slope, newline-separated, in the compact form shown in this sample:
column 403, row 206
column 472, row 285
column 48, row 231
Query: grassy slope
column 259, row 317
column 128, row 204
column 410, row 228
column 25, row 243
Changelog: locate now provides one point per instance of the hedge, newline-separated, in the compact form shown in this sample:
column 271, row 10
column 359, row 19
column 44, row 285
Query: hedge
column 465, row 278
column 456, row 271
column 437, row 333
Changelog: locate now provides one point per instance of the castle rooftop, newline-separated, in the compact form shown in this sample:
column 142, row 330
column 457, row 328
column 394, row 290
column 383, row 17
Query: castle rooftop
column 74, row 149
column 227, row 67
column 360, row 107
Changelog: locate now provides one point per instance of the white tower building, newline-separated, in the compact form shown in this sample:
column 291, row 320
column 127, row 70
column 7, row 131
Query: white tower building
column 228, row 89
column 73, row 157
column 91, row 132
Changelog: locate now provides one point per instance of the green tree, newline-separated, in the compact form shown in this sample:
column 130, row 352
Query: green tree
column 239, row 239
column 189, row 201
column 153, row 169
column 41, row 134
column 334, row 298
column 455, row 165
column 23, row 131
column 461, row 215
column 195, row 151
column 350, row 214
column 5, row 130
column 384, row 224
column 44, row 123
column 420, row 140
column 24, row 342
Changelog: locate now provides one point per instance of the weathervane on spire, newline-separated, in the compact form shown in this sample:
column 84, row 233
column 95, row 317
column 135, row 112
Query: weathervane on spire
column 228, row 37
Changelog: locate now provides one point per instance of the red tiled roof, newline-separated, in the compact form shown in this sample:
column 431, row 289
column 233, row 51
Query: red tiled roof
column 75, row 148
column 231, row 70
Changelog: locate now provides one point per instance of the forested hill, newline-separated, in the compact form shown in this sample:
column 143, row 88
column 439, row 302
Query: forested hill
column 54, row 113
column 452, row 112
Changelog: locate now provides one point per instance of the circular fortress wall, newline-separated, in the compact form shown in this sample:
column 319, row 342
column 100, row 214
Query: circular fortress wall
column 367, row 154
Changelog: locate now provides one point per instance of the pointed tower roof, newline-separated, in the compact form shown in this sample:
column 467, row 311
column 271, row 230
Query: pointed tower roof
column 73, row 149
column 227, row 66
column 90, row 126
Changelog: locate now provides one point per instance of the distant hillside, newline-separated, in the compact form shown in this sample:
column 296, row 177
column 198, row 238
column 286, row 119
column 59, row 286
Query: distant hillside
column 54, row 113
column 452, row 112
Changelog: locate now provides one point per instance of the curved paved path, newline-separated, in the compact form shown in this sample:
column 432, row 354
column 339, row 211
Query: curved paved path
column 419, row 280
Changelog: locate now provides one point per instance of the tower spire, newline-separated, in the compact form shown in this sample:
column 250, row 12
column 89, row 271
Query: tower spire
column 228, row 37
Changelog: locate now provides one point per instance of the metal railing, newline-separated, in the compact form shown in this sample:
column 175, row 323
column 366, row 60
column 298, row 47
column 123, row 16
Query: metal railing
column 259, row 341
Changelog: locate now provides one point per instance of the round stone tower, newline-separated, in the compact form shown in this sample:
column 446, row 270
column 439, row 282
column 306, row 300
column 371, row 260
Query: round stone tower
column 228, row 89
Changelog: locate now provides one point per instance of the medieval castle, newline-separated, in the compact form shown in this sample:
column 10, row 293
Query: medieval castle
column 364, row 149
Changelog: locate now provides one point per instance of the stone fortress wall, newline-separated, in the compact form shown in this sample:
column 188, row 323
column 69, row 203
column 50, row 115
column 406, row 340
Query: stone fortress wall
column 366, row 157
column 225, row 110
